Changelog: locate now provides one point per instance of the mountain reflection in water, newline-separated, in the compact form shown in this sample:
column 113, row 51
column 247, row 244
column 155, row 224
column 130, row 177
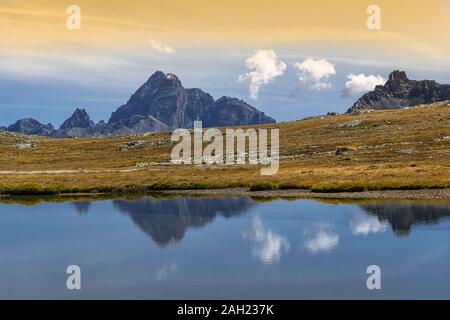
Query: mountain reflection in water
column 403, row 215
column 166, row 220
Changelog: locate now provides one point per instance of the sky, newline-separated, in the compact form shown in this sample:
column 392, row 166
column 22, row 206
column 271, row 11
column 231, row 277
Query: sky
column 290, row 59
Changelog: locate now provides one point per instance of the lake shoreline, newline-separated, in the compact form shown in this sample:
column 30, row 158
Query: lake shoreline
column 307, row 194
column 425, row 194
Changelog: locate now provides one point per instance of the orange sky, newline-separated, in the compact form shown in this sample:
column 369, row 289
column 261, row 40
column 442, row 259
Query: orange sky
column 408, row 26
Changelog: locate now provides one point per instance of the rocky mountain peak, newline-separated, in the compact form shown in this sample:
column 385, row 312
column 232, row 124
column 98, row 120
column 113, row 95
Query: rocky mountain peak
column 79, row 119
column 31, row 126
column 164, row 98
column 160, row 79
column 400, row 92
column 398, row 76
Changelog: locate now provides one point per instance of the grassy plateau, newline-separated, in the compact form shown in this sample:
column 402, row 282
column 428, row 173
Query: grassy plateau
column 381, row 150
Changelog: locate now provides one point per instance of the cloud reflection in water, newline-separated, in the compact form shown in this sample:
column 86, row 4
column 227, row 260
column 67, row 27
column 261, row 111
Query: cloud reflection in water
column 267, row 246
column 320, row 239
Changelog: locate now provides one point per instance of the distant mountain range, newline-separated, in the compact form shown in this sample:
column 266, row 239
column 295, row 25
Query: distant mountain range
column 160, row 104
column 399, row 92
column 32, row 127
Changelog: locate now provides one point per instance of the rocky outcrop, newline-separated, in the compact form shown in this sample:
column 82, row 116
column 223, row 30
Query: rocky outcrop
column 400, row 92
column 31, row 127
column 27, row 145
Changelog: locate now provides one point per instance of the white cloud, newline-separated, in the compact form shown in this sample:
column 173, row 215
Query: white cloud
column 267, row 245
column 265, row 68
column 358, row 84
column 314, row 74
column 363, row 224
column 322, row 240
column 161, row 47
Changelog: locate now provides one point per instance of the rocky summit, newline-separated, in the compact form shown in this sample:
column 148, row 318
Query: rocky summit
column 160, row 104
column 79, row 119
column 79, row 124
column 164, row 98
column 399, row 92
column 31, row 127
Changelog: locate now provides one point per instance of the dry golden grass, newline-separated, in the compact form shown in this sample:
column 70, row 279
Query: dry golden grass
column 307, row 149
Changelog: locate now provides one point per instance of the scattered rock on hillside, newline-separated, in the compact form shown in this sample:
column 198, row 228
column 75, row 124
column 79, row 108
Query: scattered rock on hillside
column 22, row 146
column 406, row 150
column 350, row 124
column 132, row 145
column 341, row 151
column 358, row 112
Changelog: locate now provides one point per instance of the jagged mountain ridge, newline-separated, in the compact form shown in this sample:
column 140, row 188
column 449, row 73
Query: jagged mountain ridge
column 79, row 119
column 399, row 92
column 31, row 127
column 80, row 125
column 164, row 98
column 160, row 104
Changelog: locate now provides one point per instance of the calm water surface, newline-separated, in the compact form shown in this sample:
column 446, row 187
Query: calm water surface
column 239, row 248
